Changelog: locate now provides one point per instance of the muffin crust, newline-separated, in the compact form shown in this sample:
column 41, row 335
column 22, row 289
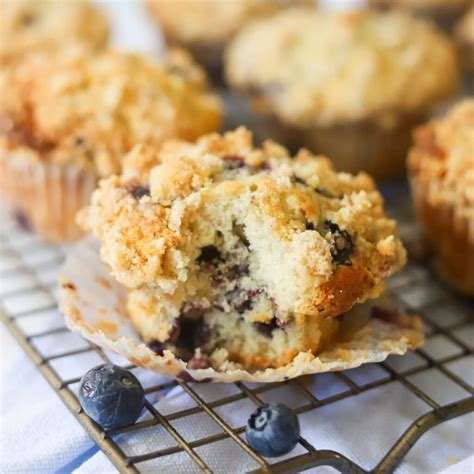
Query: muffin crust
column 443, row 155
column 72, row 106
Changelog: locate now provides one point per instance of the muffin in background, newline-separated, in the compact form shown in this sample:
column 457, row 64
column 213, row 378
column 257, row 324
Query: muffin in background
column 40, row 25
column 465, row 39
column 204, row 27
column 441, row 171
column 348, row 85
column 69, row 117
column 445, row 13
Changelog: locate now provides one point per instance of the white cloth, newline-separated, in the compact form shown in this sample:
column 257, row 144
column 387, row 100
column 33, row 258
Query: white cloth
column 39, row 434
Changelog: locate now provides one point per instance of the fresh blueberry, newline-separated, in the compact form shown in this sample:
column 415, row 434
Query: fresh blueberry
column 272, row 430
column 113, row 397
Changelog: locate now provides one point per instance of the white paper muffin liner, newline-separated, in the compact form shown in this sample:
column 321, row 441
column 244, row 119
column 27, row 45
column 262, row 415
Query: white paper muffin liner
column 94, row 306
column 45, row 196
column 449, row 232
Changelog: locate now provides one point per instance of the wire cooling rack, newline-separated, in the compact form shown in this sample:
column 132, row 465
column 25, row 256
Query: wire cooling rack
column 28, row 309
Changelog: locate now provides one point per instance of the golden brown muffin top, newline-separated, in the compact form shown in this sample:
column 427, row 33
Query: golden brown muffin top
column 319, row 240
column 32, row 25
column 321, row 68
column 207, row 21
column 91, row 109
column 443, row 158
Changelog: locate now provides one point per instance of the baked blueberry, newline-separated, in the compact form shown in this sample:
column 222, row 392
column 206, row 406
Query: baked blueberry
column 272, row 430
column 138, row 191
column 343, row 245
column 209, row 254
column 113, row 397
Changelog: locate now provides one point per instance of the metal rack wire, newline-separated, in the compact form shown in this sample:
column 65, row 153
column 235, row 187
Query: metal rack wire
column 28, row 310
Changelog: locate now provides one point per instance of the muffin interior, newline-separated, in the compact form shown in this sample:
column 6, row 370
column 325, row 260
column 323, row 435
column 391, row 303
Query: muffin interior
column 229, row 310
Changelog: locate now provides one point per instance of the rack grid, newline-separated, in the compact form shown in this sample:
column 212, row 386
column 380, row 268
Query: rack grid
column 28, row 309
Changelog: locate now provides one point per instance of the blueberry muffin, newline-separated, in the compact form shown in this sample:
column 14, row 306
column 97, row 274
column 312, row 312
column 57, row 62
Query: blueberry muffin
column 205, row 26
column 69, row 117
column 242, row 253
column 444, row 13
column 34, row 25
column 350, row 85
column 441, row 170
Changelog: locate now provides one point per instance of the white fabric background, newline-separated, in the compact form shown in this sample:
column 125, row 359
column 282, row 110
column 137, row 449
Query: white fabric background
column 39, row 435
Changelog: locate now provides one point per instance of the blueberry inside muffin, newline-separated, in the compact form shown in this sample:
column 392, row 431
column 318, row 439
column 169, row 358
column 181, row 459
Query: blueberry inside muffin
column 233, row 252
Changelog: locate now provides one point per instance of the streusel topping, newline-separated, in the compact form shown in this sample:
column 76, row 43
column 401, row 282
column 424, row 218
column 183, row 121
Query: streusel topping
column 34, row 25
column 319, row 68
column 92, row 109
column 443, row 156
column 292, row 232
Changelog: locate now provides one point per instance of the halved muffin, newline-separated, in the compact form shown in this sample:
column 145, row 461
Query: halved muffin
column 253, row 252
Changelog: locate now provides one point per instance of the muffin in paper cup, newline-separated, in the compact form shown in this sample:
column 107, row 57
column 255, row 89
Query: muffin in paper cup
column 246, row 260
column 204, row 27
column 464, row 34
column 93, row 304
column 43, row 197
column 441, row 172
column 445, row 13
column 369, row 146
column 350, row 85
column 69, row 117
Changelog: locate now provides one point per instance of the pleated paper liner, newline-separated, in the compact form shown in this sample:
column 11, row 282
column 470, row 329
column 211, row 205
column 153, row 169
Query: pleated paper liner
column 449, row 233
column 43, row 196
column 94, row 306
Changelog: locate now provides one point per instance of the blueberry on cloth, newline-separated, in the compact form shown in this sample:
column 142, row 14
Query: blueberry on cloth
column 113, row 397
column 272, row 430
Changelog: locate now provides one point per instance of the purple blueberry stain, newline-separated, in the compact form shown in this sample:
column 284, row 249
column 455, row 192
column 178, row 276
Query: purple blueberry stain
column 22, row 220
